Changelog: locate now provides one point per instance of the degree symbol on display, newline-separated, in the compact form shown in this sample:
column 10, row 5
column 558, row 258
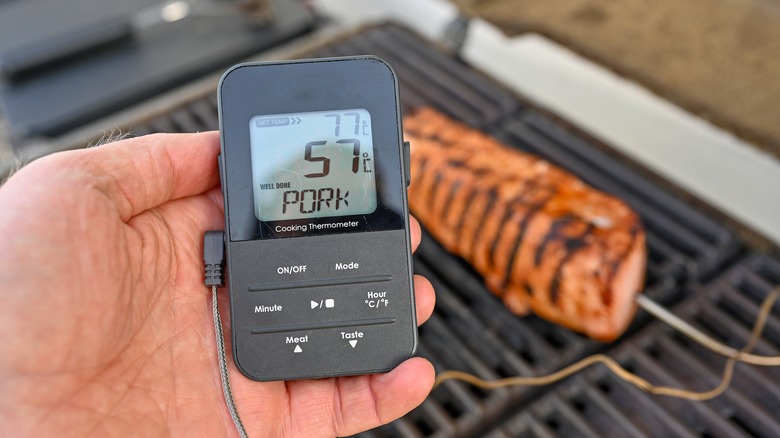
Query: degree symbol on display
column 366, row 166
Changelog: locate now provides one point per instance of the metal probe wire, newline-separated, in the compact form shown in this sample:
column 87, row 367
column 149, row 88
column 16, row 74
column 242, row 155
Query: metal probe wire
column 667, row 317
column 697, row 335
column 223, row 366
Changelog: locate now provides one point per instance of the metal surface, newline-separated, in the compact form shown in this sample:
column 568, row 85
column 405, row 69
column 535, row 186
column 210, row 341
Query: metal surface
column 65, row 95
column 472, row 331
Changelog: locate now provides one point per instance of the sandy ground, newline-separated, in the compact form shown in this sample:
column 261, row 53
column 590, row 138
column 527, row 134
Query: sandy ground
column 717, row 58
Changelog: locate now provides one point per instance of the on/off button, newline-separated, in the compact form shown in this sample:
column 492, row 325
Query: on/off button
column 289, row 270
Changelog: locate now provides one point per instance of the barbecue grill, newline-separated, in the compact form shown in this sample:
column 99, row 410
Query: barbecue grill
column 696, row 266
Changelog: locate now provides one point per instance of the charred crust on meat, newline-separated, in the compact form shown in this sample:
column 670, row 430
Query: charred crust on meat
column 553, row 234
column 497, row 238
column 462, row 219
column 492, row 196
column 422, row 165
column 524, row 223
column 529, row 227
column 434, row 185
column 457, row 163
column 571, row 245
column 614, row 267
column 454, row 187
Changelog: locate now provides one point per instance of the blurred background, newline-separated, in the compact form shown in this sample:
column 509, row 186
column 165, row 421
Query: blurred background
column 671, row 105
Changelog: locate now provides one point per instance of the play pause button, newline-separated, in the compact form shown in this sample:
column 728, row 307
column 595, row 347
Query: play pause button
column 323, row 304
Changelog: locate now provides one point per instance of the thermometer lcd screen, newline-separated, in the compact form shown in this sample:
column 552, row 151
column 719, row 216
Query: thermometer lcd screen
column 312, row 164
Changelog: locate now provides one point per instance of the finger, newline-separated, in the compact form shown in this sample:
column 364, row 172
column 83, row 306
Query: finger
column 347, row 405
column 415, row 231
column 385, row 397
column 188, row 219
column 141, row 173
column 424, row 297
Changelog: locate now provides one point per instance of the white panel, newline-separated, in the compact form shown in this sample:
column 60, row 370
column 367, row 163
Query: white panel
column 427, row 17
column 701, row 158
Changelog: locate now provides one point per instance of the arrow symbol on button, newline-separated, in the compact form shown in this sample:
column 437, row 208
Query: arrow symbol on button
column 314, row 304
column 297, row 349
column 353, row 343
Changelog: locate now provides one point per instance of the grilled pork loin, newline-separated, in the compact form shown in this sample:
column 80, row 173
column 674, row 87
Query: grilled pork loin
column 543, row 240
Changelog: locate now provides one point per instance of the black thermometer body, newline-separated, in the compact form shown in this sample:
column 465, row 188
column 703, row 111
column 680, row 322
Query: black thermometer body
column 314, row 175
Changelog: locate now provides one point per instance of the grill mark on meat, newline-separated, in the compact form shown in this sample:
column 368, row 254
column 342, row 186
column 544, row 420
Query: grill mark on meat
column 450, row 196
column 434, row 185
column 420, row 179
column 554, row 234
column 457, row 163
column 492, row 197
column 422, row 165
column 530, row 187
column 494, row 246
column 613, row 267
column 606, row 295
column 526, row 256
column 572, row 245
column 462, row 219
column 516, row 246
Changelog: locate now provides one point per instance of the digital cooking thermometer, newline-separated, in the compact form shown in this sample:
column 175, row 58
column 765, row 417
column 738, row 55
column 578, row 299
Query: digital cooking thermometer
column 314, row 175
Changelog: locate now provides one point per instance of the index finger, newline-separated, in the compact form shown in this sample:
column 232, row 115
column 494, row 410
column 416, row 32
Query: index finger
column 415, row 232
column 144, row 172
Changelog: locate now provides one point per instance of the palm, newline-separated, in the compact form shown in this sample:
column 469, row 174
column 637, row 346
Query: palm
column 131, row 347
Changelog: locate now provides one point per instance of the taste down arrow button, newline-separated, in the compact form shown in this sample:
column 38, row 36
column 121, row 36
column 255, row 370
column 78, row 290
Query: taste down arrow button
column 352, row 337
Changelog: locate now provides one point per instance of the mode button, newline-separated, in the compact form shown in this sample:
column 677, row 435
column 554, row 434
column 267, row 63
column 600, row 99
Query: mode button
column 347, row 266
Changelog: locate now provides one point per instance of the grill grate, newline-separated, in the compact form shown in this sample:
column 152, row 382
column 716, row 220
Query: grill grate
column 429, row 77
column 597, row 403
column 196, row 116
column 470, row 329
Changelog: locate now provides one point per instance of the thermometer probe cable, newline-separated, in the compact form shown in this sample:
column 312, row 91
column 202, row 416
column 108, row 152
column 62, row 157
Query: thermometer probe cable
column 672, row 320
column 214, row 261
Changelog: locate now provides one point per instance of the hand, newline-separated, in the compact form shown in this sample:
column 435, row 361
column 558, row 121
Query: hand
column 106, row 325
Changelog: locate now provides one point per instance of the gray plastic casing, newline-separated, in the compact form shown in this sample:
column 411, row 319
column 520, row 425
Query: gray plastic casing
column 290, row 322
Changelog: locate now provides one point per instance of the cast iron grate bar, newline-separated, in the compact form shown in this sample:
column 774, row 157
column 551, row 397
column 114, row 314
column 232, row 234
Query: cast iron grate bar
column 725, row 309
column 428, row 76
